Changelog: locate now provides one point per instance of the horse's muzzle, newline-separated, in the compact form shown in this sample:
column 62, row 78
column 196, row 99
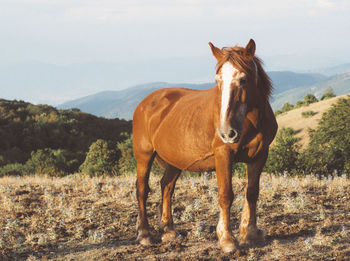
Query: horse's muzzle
column 229, row 136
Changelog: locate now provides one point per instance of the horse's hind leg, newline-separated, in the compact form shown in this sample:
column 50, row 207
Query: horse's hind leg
column 168, row 185
column 250, row 234
column 144, row 163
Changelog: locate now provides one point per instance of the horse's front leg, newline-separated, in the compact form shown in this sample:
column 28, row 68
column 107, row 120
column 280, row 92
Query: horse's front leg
column 223, row 173
column 250, row 233
column 168, row 185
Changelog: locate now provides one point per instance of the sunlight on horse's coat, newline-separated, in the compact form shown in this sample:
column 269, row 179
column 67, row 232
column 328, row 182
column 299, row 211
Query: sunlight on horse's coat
column 205, row 130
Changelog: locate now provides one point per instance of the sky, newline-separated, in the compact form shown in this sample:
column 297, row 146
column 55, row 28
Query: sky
column 289, row 34
column 80, row 31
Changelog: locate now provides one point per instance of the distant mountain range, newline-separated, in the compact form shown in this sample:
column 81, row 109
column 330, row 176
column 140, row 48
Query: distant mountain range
column 289, row 86
column 340, row 84
column 39, row 82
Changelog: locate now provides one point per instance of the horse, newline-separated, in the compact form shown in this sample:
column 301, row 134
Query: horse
column 204, row 130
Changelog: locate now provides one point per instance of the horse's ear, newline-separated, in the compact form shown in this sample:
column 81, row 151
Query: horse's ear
column 250, row 49
column 216, row 51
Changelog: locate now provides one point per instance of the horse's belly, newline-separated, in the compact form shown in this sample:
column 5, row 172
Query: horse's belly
column 185, row 161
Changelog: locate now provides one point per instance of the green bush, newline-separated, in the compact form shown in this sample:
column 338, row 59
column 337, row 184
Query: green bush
column 278, row 112
column 284, row 155
column 15, row 169
column 101, row 159
column 308, row 114
column 50, row 162
column 328, row 94
column 287, row 107
column 127, row 162
column 239, row 169
column 329, row 147
column 308, row 99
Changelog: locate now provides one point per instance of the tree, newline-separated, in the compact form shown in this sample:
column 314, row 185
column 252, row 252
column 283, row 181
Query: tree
column 284, row 155
column 127, row 161
column 287, row 107
column 101, row 159
column 328, row 94
column 308, row 99
column 49, row 162
column 329, row 147
column 277, row 112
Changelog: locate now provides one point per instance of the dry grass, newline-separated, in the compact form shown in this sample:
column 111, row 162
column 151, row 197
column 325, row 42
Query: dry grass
column 84, row 218
column 294, row 119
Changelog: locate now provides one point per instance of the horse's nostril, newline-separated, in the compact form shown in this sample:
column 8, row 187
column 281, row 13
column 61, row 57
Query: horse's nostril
column 222, row 135
column 232, row 134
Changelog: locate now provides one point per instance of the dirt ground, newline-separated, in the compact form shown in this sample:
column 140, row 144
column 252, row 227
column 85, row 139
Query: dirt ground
column 81, row 218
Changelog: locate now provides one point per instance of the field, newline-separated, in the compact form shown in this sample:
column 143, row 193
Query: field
column 81, row 218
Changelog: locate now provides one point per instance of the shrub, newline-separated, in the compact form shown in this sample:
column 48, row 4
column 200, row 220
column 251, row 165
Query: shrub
column 329, row 147
column 284, row 155
column 287, row 107
column 101, row 159
column 239, row 169
column 49, row 162
column 15, row 169
column 308, row 99
column 328, row 94
column 307, row 114
column 127, row 162
column 278, row 112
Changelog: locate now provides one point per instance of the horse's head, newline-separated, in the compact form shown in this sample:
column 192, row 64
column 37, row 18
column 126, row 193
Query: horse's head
column 236, row 78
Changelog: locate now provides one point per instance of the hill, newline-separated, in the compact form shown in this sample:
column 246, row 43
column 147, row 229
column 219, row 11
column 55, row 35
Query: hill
column 25, row 128
column 294, row 119
column 39, row 82
column 122, row 103
column 333, row 70
column 340, row 84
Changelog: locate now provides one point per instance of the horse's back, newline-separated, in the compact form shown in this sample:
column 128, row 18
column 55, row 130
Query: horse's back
column 153, row 109
column 170, row 119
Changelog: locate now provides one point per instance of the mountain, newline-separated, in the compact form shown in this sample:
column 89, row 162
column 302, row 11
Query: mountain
column 340, row 84
column 338, row 69
column 286, row 80
column 39, row 82
column 122, row 103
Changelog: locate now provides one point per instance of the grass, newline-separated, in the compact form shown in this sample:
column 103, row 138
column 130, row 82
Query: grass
column 84, row 218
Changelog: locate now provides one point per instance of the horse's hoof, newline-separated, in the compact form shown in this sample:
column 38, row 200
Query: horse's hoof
column 257, row 236
column 170, row 236
column 145, row 241
column 227, row 246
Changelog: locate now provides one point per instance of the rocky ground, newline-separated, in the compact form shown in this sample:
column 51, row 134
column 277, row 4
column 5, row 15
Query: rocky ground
column 81, row 218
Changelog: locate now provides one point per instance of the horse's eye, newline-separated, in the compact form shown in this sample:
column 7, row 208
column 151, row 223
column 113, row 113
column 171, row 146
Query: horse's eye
column 242, row 81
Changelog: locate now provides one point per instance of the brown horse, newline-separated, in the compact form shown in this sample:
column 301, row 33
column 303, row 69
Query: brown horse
column 205, row 130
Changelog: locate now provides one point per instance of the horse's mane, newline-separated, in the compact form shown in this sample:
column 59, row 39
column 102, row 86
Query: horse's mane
column 236, row 56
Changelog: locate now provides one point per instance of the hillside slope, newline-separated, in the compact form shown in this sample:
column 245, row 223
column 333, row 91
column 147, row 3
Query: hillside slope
column 25, row 128
column 294, row 119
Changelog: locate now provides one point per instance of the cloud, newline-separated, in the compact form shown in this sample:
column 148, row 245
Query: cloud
column 325, row 4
